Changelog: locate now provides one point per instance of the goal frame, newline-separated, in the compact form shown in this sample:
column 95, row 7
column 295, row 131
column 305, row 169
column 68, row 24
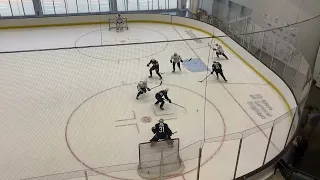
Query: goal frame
column 113, row 21
column 161, row 174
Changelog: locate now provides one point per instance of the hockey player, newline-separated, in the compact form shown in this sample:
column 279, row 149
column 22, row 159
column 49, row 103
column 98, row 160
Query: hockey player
column 161, row 132
column 142, row 88
column 159, row 96
column 175, row 59
column 217, row 67
column 155, row 66
column 219, row 51
column 119, row 22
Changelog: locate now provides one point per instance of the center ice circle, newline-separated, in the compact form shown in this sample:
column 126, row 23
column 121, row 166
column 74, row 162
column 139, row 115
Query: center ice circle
column 128, row 45
column 106, row 128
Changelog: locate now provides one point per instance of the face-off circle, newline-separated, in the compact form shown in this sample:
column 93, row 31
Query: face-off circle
column 146, row 119
column 87, row 124
column 110, row 46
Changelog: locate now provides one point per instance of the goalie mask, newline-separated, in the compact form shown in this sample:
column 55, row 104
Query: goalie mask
column 161, row 121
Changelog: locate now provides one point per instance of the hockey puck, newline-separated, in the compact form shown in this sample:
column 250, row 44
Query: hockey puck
column 197, row 110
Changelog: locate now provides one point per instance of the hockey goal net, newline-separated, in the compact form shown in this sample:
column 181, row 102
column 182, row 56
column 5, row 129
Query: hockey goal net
column 160, row 160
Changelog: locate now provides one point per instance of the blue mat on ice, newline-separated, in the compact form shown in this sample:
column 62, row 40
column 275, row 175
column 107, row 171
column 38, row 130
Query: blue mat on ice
column 195, row 65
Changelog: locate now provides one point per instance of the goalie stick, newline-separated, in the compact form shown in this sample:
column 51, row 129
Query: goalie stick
column 157, row 86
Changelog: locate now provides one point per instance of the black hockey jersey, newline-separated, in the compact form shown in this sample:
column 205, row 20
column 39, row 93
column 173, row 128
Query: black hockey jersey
column 216, row 66
column 153, row 62
column 163, row 129
column 163, row 93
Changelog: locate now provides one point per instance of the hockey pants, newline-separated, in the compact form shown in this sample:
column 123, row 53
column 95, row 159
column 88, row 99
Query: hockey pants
column 160, row 100
column 159, row 136
column 156, row 68
column 174, row 65
column 223, row 54
column 141, row 92
column 221, row 73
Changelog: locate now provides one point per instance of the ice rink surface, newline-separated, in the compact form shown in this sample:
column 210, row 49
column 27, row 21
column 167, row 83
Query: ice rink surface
column 74, row 109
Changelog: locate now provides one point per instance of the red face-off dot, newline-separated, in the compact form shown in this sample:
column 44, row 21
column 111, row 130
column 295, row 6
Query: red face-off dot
column 146, row 119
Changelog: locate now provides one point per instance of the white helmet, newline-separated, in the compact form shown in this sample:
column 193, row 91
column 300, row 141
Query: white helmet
column 161, row 121
column 153, row 59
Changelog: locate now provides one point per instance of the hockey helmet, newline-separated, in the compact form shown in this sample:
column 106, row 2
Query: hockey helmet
column 217, row 44
column 161, row 121
column 175, row 54
column 167, row 89
column 153, row 59
column 119, row 14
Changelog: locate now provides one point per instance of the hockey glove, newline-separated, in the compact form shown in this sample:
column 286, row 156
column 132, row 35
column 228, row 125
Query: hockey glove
column 181, row 60
column 170, row 61
column 153, row 129
column 169, row 101
column 148, row 89
column 212, row 72
column 147, row 65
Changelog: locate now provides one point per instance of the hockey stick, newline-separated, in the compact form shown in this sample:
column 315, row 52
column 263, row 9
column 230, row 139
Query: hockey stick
column 157, row 86
column 212, row 47
column 179, row 106
column 204, row 78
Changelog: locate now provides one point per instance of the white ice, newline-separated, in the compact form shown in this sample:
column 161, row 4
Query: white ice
column 86, row 97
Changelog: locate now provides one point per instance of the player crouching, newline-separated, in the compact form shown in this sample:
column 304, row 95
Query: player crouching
column 159, row 96
column 175, row 59
column 219, row 51
column 161, row 131
column 142, row 88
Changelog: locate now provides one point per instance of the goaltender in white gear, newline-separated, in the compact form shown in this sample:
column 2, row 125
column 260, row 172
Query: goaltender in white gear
column 142, row 88
column 119, row 22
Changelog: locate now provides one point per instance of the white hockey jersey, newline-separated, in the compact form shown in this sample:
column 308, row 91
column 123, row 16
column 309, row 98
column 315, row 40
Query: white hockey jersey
column 219, row 49
column 142, row 86
column 176, row 58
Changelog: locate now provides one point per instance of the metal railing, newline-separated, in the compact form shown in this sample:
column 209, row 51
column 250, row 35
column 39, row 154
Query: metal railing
column 9, row 8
